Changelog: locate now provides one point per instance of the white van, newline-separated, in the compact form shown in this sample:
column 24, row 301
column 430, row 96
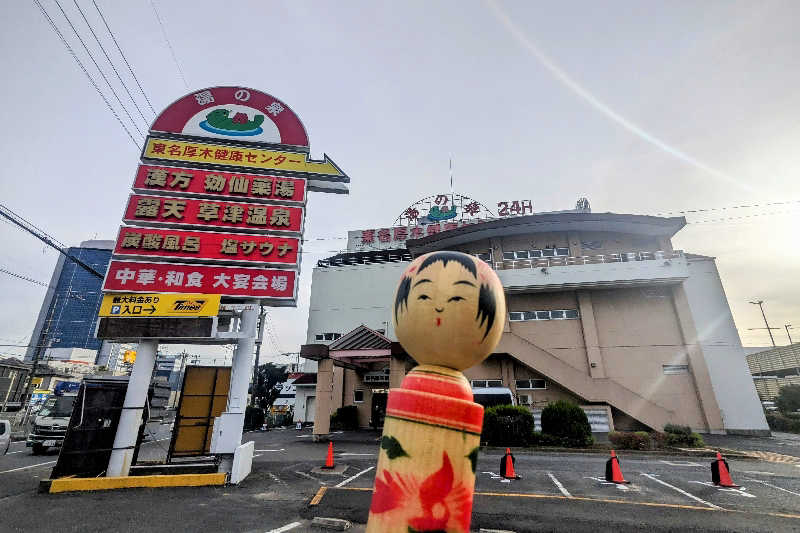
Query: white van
column 5, row 436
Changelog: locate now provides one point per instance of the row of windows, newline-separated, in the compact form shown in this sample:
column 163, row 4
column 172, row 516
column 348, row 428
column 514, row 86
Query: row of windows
column 487, row 383
column 555, row 314
column 538, row 384
column 533, row 254
column 327, row 336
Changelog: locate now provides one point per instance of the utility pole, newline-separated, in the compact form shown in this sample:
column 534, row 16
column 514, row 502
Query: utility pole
column 760, row 304
column 788, row 327
column 261, row 320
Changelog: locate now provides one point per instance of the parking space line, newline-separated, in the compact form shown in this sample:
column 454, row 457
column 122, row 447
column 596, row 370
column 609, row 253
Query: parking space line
column 348, row 480
column 25, row 467
column 309, row 477
column 688, row 495
column 773, row 486
column 558, row 484
column 280, row 450
column 287, row 527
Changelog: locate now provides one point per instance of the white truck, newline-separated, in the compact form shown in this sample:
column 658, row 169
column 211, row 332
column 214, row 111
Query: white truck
column 50, row 424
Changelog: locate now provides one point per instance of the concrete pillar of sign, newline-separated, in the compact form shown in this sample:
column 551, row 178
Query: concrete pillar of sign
column 324, row 406
column 241, row 372
column 131, row 417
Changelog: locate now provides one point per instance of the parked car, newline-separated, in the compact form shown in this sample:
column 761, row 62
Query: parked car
column 5, row 436
column 769, row 406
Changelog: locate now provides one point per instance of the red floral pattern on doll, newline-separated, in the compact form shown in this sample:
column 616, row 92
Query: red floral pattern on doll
column 435, row 504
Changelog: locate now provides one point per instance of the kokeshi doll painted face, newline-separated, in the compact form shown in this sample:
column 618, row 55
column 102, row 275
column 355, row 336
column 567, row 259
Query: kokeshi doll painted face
column 449, row 310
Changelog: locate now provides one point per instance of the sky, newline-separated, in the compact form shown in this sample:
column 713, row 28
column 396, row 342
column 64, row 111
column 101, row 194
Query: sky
column 642, row 107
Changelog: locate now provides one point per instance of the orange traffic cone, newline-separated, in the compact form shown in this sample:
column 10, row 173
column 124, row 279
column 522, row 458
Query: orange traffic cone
column 720, row 474
column 329, row 458
column 613, row 473
column 507, row 465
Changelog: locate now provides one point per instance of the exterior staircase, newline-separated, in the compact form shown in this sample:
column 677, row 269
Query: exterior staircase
column 604, row 390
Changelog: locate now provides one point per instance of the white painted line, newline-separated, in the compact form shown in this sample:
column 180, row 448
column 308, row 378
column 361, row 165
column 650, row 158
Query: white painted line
column 739, row 492
column 18, row 451
column 281, row 450
column 309, row 477
column 681, row 463
column 348, row 480
column 302, row 436
column 25, row 467
column 773, row 486
column 691, row 496
column 257, row 455
column 355, row 454
column 287, row 527
column 154, row 441
column 758, row 473
column 558, row 484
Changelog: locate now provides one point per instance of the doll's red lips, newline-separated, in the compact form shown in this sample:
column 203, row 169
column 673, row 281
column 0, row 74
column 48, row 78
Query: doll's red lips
column 438, row 321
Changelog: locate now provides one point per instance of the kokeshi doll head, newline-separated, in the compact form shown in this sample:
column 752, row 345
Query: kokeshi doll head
column 449, row 310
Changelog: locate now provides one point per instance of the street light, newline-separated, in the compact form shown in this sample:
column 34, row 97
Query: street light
column 760, row 304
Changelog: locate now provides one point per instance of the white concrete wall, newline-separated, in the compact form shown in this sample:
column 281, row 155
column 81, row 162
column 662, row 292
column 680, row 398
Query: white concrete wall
column 730, row 378
column 344, row 298
column 301, row 399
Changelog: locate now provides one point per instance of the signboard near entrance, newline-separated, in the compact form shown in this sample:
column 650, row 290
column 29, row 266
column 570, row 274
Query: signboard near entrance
column 144, row 305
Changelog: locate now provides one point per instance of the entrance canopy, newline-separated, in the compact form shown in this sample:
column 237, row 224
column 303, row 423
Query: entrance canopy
column 357, row 349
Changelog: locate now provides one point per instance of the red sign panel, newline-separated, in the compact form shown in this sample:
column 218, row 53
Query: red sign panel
column 135, row 276
column 159, row 210
column 193, row 182
column 207, row 246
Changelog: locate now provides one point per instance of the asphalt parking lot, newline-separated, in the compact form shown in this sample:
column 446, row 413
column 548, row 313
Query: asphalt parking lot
column 557, row 492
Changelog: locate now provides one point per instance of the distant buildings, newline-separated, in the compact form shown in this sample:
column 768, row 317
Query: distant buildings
column 68, row 315
column 13, row 380
column 773, row 369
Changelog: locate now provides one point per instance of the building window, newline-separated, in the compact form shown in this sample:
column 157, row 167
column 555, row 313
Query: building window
column 671, row 370
column 358, row 396
column 319, row 337
column 485, row 257
column 327, row 336
column 487, row 383
column 537, row 384
column 509, row 256
column 554, row 314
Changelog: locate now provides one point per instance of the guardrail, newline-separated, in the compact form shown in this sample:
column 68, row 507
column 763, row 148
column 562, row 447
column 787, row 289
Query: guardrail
column 623, row 257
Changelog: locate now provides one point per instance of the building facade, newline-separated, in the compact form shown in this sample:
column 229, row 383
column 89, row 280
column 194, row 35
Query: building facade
column 602, row 311
column 774, row 368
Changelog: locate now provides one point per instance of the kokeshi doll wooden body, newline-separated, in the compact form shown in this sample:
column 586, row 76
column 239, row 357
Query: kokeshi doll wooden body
column 448, row 313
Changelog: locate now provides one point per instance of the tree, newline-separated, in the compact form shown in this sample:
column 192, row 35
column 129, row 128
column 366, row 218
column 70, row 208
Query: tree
column 269, row 378
column 788, row 400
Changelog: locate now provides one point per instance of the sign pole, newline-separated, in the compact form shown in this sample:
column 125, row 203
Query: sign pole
column 229, row 431
column 131, row 417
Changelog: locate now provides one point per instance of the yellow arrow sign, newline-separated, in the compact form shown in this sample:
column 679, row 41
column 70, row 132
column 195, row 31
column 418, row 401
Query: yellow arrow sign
column 237, row 156
column 124, row 305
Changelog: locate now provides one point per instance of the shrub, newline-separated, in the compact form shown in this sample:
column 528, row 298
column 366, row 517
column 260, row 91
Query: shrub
column 682, row 436
column 625, row 440
column 507, row 425
column 253, row 418
column 345, row 418
column 788, row 400
column 779, row 422
column 567, row 422
column 658, row 439
column 543, row 439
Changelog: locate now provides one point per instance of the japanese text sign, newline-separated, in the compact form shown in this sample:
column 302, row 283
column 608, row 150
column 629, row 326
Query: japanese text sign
column 138, row 305
column 233, row 156
column 207, row 246
column 193, row 182
column 135, row 276
column 163, row 211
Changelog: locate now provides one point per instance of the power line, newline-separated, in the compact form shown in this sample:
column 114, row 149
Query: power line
column 102, row 49
column 91, row 80
column 169, row 44
column 111, row 33
column 745, row 206
column 20, row 276
column 86, row 48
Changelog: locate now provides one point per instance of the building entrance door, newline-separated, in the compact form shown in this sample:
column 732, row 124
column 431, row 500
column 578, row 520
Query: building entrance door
column 310, row 408
column 378, row 409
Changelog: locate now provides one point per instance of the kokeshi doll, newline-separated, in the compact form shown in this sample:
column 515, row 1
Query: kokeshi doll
column 449, row 311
